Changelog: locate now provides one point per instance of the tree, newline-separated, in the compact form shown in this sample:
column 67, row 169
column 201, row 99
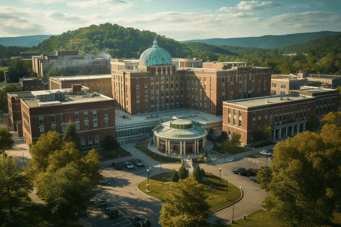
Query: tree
column 218, row 223
column 332, row 118
column 110, row 143
column 14, row 185
column 71, row 135
column 304, row 180
column 203, row 173
column 6, row 141
column 197, row 174
column 17, row 70
column 175, row 176
column 67, row 192
column 50, row 74
column 313, row 123
column 185, row 205
column 183, row 174
column 236, row 139
column 224, row 135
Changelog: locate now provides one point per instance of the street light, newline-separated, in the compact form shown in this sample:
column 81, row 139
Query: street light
column 219, row 175
column 148, row 172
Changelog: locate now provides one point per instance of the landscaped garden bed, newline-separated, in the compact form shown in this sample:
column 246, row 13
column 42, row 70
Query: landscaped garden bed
column 159, row 158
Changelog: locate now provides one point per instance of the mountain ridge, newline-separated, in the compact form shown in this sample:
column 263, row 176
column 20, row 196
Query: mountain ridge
column 23, row 41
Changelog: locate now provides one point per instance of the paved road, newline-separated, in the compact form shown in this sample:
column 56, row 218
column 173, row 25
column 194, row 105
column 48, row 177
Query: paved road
column 20, row 150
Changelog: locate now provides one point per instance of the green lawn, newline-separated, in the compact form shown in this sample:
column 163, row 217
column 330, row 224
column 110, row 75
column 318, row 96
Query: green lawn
column 216, row 197
column 34, row 215
column 112, row 154
column 159, row 158
column 261, row 218
column 229, row 148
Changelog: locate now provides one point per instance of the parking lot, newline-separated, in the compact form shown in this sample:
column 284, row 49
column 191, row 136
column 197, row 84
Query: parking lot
column 121, row 221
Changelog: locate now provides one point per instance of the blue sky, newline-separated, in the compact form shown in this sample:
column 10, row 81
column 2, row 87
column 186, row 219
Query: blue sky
column 177, row 19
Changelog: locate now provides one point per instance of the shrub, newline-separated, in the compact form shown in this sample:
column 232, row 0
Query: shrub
column 224, row 135
column 175, row 176
column 197, row 174
column 110, row 143
column 183, row 174
column 203, row 173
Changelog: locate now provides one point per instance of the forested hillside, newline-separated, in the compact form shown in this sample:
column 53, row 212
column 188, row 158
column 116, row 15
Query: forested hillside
column 7, row 52
column 123, row 42
column 268, row 41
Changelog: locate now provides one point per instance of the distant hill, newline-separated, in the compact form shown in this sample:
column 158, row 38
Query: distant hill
column 124, row 42
column 268, row 41
column 23, row 41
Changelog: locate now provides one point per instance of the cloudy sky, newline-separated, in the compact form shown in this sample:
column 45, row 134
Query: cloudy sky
column 178, row 19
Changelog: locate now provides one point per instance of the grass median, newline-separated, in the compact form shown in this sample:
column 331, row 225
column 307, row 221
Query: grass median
column 217, row 197
column 112, row 154
column 157, row 157
column 228, row 147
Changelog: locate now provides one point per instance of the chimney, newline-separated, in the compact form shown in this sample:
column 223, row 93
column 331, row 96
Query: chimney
column 76, row 89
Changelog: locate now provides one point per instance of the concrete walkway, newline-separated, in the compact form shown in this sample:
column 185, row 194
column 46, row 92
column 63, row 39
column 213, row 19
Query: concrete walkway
column 20, row 150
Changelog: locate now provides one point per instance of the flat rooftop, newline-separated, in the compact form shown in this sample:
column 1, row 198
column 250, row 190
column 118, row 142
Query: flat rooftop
column 189, row 114
column 69, row 100
column 83, row 77
column 312, row 89
column 268, row 100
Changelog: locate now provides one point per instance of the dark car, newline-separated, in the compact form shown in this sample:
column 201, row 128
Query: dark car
column 112, row 212
column 116, row 165
column 250, row 172
column 239, row 171
column 102, row 203
column 129, row 165
column 140, row 219
column 138, row 162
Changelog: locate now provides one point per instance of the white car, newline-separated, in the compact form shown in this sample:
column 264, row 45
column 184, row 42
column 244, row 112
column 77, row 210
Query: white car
column 129, row 165
column 265, row 152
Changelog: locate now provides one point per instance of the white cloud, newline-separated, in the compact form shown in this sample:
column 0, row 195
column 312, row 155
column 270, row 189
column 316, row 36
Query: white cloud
column 299, row 5
column 250, row 5
column 114, row 5
column 57, row 16
column 43, row 1
column 320, row 4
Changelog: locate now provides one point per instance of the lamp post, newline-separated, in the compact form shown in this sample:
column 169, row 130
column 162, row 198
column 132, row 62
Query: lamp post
column 219, row 175
column 148, row 172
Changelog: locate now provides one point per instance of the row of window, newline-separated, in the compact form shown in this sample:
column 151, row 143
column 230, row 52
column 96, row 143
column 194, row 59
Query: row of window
column 76, row 115
column 274, row 85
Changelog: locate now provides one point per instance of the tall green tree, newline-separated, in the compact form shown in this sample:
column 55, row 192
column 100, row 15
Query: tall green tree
column 183, row 174
column 14, row 185
column 67, row 192
column 17, row 70
column 3, row 97
column 71, row 135
column 110, row 143
column 197, row 174
column 185, row 205
column 332, row 118
column 6, row 141
column 304, row 180
column 339, row 89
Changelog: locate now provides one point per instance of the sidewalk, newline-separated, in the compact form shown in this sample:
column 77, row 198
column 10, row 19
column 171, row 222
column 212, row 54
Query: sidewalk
column 20, row 150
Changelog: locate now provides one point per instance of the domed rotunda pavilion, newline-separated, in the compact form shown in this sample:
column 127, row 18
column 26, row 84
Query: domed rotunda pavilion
column 181, row 136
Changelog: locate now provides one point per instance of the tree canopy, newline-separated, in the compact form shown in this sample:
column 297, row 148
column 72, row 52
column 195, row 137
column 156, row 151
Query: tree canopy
column 3, row 97
column 6, row 141
column 305, row 178
column 185, row 205
column 71, row 135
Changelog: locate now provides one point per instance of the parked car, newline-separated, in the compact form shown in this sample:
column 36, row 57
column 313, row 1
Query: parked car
column 112, row 212
column 104, row 181
column 129, row 165
column 116, row 165
column 102, row 203
column 138, row 162
column 239, row 171
column 249, row 172
column 265, row 152
column 140, row 219
column 253, row 179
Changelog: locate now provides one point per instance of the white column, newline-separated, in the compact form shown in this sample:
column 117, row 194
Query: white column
column 280, row 133
column 286, row 132
column 304, row 127
column 198, row 150
column 184, row 147
column 171, row 69
column 195, row 147
column 156, row 70
column 158, row 143
column 180, row 147
column 169, row 150
column 275, row 134
column 204, row 143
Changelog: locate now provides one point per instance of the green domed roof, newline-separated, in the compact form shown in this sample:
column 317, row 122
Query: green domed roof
column 155, row 56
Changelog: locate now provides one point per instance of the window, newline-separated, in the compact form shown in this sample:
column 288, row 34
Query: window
column 254, row 114
column 97, row 140
column 76, row 117
column 94, row 114
column 273, row 84
column 41, row 129
column 85, row 115
column 64, row 128
column 240, row 113
column 106, row 122
column 95, row 123
column 77, row 125
column 106, row 112
column 240, row 123
column 82, row 142
column 282, row 85
column 53, row 127
column 234, row 111
column 229, row 120
column 86, row 124
column 234, row 121
column 90, row 141
column 53, row 119
column 41, row 120
column 266, row 112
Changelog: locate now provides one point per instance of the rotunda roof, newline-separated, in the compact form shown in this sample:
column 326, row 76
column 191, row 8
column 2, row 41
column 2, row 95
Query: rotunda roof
column 155, row 56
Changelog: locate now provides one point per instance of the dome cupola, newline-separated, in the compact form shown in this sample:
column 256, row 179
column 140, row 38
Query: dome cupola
column 155, row 56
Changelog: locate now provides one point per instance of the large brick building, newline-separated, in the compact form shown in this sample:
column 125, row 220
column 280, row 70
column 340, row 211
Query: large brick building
column 93, row 114
column 96, row 83
column 286, row 114
column 69, row 62
column 34, row 84
column 157, row 85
